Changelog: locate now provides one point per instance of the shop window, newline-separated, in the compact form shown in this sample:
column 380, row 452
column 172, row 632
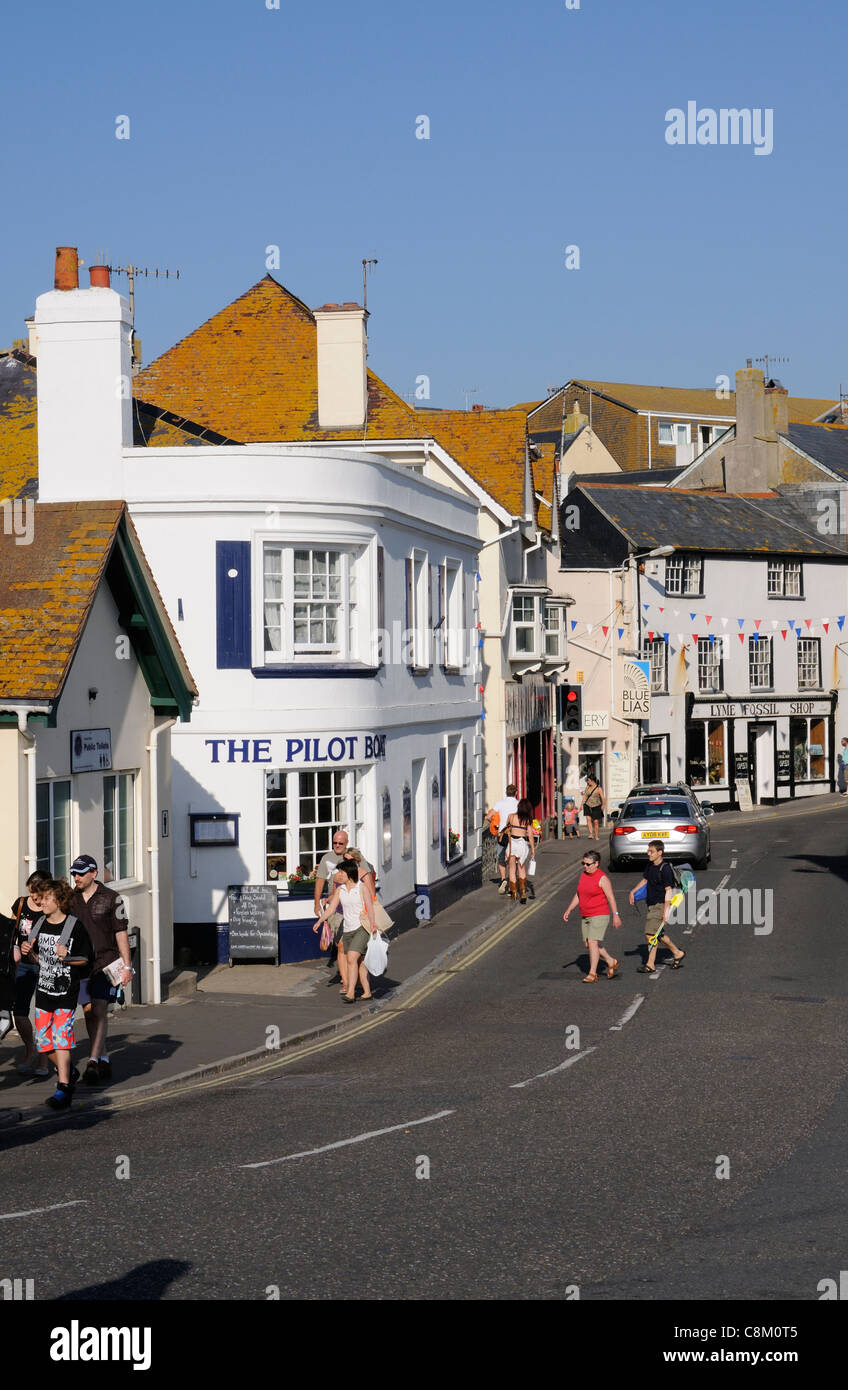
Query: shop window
column 310, row 604
column 53, row 827
column 696, row 755
column 710, row 673
column 321, row 808
column 706, row 760
column 656, row 652
column 760, row 672
column 716, row 752
column 808, row 742
column 276, row 825
column 785, row 579
column 809, row 663
column 119, row 826
column 302, row 809
column 684, row 575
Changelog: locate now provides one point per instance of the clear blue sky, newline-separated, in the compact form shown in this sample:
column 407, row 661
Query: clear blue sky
column 296, row 127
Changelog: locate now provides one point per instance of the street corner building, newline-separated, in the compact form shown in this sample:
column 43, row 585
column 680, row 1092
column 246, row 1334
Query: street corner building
column 323, row 585
column 92, row 680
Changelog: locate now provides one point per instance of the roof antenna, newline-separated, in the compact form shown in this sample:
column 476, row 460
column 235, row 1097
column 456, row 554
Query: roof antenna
column 765, row 360
column 131, row 271
column 370, row 261
column 469, row 391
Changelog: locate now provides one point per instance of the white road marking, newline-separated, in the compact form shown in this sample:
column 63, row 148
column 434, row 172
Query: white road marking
column 357, row 1139
column 516, row 1085
column 628, row 1014
column 37, row 1211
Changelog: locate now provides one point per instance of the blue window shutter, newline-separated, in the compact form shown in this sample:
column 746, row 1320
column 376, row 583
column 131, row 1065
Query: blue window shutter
column 233, row 603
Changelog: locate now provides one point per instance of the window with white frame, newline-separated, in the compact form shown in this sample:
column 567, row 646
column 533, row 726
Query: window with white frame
column 453, row 612
column 785, row 579
column 302, row 809
column 708, row 434
column 809, row 663
column 525, row 625
column 119, row 825
column 418, row 611
column 760, row 675
column 554, row 614
column 656, row 652
column 672, row 432
column 310, row 603
column 684, row 574
column 710, row 674
column 455, row 796
column 53, row 828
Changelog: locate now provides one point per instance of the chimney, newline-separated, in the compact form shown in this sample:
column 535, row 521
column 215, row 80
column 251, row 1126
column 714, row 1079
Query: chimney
column 747, row 456
column 66, row 273
column 32, row 337
column 776, row 410
column 84, row 394
column 342, row 380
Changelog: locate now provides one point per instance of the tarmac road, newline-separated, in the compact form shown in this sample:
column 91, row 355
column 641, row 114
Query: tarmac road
column 474, row 1173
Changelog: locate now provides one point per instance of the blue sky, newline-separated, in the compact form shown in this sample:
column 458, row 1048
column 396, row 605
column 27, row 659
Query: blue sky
column 295, row 127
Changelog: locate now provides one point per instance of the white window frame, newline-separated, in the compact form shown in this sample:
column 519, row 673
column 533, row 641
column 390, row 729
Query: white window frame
column 710, row 658
column 533, row 626
column 656, row 652
column 809, row 646
column 353, row 817
column 420, row 599
column 681, row 566
column 667, row 425
column 453, row 616
column 762, row 645
column 555, row 629
column 777, row 571
column 133, row 875
column 358, row 644
column 51, row 784
column 454, row 792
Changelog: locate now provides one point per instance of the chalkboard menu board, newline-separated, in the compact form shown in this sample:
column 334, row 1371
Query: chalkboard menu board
column 741, row 762
column 784, row 765
column 253, row 914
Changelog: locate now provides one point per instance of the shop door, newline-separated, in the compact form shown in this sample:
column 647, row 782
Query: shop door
column 533, row 746
column 761, row 762
column 653, row 760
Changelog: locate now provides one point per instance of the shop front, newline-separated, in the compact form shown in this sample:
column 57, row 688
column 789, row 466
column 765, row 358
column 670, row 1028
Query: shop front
column 777, row 748
column 529, row 743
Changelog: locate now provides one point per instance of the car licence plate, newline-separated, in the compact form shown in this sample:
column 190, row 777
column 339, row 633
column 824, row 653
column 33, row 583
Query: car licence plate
column 655, row 834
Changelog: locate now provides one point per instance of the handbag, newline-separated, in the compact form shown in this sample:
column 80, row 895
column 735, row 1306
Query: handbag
column 531, row 869
column 382, row 920
column 326, row 935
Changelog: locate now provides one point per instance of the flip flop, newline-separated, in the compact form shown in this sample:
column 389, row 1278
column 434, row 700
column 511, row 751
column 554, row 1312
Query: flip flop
column 675, row 965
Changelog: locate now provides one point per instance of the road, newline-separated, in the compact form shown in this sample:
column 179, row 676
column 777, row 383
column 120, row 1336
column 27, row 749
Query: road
column 519, row 1134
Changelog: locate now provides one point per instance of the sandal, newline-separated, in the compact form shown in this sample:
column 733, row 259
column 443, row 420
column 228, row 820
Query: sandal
column 589, row 979
column 646, row 970
column 349, row 998
column 611, row 969
column 676, row 964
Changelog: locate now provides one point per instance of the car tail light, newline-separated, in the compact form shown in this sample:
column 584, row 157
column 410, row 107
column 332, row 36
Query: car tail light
column 624, row 830
column 687, row 829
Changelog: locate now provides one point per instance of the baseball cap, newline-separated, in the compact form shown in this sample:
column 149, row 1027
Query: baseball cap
column 83, row 864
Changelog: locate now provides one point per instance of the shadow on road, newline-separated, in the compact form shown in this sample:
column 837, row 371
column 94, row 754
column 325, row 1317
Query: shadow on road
column 148, row 1281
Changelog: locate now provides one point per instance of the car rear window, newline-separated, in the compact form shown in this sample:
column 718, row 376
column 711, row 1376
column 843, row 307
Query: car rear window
column 660, row 809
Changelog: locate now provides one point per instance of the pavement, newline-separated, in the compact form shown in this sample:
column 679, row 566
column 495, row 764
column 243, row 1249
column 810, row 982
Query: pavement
column 245, row 1013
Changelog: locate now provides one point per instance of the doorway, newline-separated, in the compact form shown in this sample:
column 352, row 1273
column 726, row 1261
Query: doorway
column 761, row 762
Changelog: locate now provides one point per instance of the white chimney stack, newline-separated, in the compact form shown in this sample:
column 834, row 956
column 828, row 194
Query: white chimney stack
column 84, row 380
column 342, row 379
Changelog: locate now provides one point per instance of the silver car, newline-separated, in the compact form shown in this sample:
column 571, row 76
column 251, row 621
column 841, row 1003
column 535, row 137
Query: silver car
column 680, row 824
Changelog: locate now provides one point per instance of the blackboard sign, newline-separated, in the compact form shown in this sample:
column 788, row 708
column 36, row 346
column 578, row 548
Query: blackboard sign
column 784, row 765
column 741, row 762
column 253, row 914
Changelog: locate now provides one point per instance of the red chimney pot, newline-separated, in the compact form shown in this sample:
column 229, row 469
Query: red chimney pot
column 99, row 277
column 66, row 275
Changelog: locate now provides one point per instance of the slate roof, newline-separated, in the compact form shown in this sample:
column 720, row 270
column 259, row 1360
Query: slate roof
column 827, row 444
column 18, row 425
column 687, row 401
column 47, row 590
column 648, row 477
column 708, row 521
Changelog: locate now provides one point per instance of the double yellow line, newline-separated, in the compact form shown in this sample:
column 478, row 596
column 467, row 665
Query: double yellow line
column 298, row 1054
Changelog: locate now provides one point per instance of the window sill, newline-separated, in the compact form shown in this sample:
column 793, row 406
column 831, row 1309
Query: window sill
column 785, row 598
column 322, row 668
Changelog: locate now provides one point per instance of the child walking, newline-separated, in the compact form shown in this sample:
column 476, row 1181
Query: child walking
column 62, row 963
column 569, row 820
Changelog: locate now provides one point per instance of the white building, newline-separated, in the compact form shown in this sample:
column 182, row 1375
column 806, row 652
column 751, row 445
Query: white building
column 324, row 598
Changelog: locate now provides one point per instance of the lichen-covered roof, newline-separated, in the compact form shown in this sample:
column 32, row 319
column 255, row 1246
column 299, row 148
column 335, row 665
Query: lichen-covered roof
column 827, row 444
column 18, row 425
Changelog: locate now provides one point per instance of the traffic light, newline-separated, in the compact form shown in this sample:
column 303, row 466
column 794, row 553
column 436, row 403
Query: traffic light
column 572, row 709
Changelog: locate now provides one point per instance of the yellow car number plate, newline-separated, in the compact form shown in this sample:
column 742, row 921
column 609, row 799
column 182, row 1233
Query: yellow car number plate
column 655, row 834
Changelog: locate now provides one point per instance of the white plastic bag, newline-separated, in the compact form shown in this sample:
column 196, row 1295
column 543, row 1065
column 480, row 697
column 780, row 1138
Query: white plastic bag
column 377, row 955
column 531, row 869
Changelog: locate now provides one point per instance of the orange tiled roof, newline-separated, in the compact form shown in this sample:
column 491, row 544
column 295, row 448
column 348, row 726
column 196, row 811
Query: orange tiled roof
column 46, row 591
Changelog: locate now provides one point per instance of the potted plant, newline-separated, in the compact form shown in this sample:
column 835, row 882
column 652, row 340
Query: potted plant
column 301, row 883
column 453, row 844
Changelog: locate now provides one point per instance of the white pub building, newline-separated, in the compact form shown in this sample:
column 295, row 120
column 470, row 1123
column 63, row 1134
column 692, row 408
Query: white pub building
column 325, row 600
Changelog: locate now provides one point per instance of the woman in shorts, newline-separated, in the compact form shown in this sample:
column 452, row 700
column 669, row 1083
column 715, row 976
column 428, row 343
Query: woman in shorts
column 351, row 896
column 596, row 900
column 593, row 806
column 26, row 911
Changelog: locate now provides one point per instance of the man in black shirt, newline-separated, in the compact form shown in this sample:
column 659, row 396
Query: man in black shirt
column 660, row 887
column 102, row 911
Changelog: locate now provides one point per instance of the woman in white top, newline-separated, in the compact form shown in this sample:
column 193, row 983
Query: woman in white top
column 351, row 897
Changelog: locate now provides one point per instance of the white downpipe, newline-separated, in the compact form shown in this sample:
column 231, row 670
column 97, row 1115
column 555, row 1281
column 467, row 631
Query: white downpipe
column 530, row 548
column 153, row 850
column 31, row 855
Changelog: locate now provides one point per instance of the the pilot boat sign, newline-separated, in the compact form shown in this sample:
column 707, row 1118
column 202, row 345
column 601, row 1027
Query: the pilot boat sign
column 636, row 690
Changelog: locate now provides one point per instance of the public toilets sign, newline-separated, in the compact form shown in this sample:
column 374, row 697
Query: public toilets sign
column 298, row 750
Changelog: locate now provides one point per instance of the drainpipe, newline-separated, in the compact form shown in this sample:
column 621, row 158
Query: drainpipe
column 31, row 855
column 153, row 850
column 649, row 439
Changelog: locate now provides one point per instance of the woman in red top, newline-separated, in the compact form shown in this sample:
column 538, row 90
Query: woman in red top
column 595, row 898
